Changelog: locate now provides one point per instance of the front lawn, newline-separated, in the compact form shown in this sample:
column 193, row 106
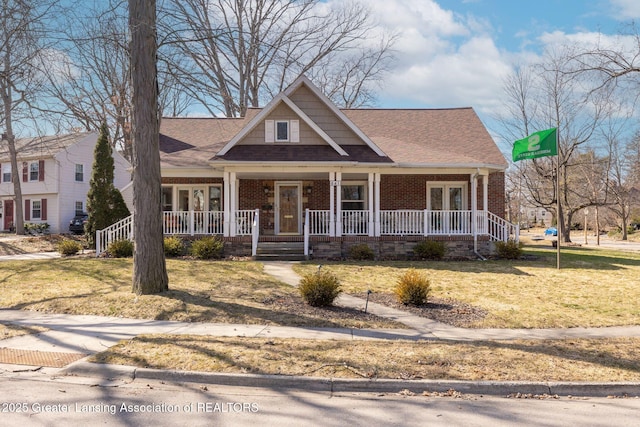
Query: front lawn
column 593, row 288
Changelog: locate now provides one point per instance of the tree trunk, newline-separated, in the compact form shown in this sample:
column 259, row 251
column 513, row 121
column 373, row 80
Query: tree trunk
column 149, row 268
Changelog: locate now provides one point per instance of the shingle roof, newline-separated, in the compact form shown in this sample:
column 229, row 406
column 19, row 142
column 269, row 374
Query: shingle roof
column 40, row 147
column 433, row 137
column 429, row 136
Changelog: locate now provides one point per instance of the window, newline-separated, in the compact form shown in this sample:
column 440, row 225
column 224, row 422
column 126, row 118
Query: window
column 79, row 173
column 447, row 196
column 36, row 209
column 6, row 173
column 34, row 171
column 79, row 208
column 215, row 198
column 167, row 198
column 282, row 131
column 353, row 197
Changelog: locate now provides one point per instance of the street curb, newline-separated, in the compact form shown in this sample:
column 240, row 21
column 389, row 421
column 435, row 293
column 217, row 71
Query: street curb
column 337, row 385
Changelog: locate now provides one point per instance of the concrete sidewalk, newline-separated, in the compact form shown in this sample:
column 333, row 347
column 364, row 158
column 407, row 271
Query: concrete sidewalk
column 86, row 335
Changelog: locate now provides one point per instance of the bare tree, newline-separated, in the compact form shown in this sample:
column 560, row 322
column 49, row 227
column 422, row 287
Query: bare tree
column 240, row 53
column 549, row 96
column 90, row 85
column 20, row 31
column 149, row 267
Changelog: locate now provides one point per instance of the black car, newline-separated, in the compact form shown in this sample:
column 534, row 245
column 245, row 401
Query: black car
column 76, row 225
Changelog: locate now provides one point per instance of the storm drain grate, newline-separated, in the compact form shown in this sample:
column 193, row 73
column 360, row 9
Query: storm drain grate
column 38, row 358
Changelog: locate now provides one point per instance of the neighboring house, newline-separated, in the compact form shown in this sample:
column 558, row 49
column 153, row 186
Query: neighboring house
column 302, row 170
column 55, row 172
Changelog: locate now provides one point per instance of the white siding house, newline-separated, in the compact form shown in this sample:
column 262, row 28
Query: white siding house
column 54, row 174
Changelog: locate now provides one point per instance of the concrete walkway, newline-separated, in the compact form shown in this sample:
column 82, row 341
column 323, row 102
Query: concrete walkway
column 91, row 334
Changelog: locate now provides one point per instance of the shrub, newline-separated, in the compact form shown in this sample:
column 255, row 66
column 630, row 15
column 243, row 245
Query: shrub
column 361, row 252
column 173, row 246
column 207, row 248
column 319, row 289
column 509, row 249
column 412, row 288
column 69, row 247
column 121, row 248
column 430, row 249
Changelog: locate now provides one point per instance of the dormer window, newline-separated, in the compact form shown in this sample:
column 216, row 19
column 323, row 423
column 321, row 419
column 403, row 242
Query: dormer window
column 281, row 131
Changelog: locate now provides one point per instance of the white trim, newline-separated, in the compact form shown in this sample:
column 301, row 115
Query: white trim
column 284, row 97
column 446, row 185
column 304, row 80
column 269, row 131
column 275, row 130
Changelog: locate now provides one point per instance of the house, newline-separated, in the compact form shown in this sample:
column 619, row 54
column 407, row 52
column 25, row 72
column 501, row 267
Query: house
column 302, row 170
column 55, row 174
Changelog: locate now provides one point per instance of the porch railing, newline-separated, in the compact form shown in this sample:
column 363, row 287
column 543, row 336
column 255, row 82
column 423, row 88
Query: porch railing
column 355, row 223
column 414, row 222
column 121, row 230
column 192, row 222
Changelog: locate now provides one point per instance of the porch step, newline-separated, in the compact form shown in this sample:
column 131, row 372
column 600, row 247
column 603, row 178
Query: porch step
column 280, row 251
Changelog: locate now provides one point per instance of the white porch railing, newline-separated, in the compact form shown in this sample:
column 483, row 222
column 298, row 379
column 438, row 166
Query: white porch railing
column 402, row 223
column 318, row 222
column 192, row 222
column 121, row 230
column 500, row 229
column 414, row 222
column 355, row 223
column 188, row 223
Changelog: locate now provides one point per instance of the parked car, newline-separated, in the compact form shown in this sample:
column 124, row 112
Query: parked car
column 551, row 231
column 76, row 225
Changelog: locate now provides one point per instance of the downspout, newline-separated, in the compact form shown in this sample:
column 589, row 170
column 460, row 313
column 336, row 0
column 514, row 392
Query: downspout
column 474, row 212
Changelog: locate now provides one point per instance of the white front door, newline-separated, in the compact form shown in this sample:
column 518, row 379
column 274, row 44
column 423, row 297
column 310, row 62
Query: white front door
column 446, row 199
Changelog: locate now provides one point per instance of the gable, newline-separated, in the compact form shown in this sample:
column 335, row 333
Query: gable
column 326, row 122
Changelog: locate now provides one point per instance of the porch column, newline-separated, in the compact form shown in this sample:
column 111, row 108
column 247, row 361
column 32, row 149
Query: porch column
column 339, row 204
column 226, row 230
column 474, row 210
column 485, row 201
column 371, row 204
column 332, row 211
column 232, row 203
column 376, row 209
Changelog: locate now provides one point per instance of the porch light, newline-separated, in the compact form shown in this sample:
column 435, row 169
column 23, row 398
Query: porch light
column 308, row 189
column 266, row 189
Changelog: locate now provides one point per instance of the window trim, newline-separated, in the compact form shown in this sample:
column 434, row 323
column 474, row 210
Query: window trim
column 33, row 171
column 276, row 132
column 6, row 169
column 33, row 209
column 446, row 186
column 81, row 173
column 365, row 194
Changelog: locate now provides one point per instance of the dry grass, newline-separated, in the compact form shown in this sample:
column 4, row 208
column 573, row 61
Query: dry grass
column 593, row 288
column 8, row 330
column 200, row 291
column 605, row 360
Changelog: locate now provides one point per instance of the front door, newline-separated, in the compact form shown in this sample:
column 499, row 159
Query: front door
column 8, row 214
column 288, row 208
column 445, row 200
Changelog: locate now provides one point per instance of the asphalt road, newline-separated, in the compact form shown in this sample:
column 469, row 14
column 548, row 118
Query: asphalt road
column 33, row 400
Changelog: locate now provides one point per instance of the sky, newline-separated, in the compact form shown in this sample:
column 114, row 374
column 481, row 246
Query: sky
column 456, row 53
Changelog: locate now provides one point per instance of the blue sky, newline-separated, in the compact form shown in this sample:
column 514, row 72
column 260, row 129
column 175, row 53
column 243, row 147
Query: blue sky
column 456, row 53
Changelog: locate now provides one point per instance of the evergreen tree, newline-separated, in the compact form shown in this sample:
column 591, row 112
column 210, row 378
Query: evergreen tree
column 105, row 204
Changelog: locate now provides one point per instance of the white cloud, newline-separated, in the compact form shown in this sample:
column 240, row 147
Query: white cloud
column 443, row 59
column 626, row 9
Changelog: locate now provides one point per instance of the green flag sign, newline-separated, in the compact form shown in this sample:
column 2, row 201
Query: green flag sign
column 539, row 144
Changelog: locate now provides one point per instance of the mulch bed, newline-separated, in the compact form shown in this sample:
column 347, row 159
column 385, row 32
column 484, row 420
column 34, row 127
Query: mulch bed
column 443, row 310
